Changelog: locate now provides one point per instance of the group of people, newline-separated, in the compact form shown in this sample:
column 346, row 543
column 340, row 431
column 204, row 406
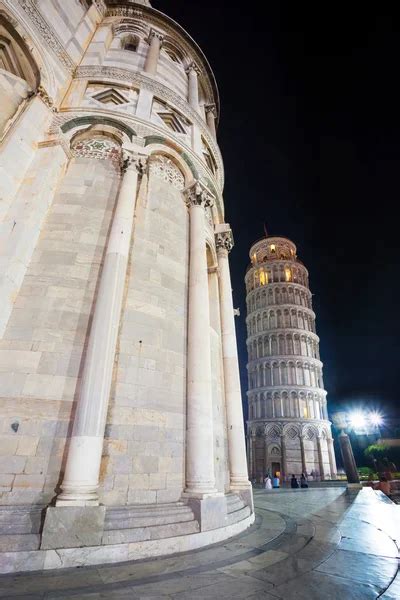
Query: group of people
column 273, row 482
column 294, row 484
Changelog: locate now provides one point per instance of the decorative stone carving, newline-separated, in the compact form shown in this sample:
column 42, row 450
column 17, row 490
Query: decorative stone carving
column 224, row 241
column 158, row 89
column 199, row 195
column 193, row 67
column 155, row 34
column 100, row 148
column 163, row 168
column 132, row 161
column 41, row 92
column 211, row 108
column 47, row 33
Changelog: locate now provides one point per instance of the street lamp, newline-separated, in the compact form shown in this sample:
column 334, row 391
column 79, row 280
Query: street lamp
column 362, row 423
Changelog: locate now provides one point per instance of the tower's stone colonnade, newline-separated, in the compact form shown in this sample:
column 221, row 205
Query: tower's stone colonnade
column 288, row 427
column 120, row 396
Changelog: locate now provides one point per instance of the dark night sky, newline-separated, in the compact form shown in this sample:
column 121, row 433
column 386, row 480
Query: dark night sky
column 310, row 133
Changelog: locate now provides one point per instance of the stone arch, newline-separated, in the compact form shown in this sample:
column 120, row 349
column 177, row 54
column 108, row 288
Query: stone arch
column 79, row 122
column 175, row 52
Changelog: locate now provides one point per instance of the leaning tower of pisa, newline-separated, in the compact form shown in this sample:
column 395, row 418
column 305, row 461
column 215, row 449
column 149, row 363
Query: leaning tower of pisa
column 288, row 427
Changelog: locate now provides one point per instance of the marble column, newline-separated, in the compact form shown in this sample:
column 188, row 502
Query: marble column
column 251, row 455
column 320, row 459
column 303, row 455
column 266, row 469
column 82, row 471
column 155, row 40
column 332, row 460
column 283, row 456
column 211, row 114
column 193, row 72
column 200, row 480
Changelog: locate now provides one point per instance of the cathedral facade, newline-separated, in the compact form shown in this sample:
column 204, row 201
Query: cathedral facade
column 120, row 398
column 288, row 427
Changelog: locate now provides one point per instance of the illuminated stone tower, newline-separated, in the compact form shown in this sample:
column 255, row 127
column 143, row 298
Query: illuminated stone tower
column 288, row 427
column 120, row 401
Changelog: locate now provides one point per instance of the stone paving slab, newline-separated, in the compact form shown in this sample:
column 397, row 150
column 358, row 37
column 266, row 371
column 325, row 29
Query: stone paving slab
column 301, row 546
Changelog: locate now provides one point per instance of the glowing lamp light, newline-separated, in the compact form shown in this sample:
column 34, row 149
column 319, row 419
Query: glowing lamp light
column 376, row 419
column 357, row 420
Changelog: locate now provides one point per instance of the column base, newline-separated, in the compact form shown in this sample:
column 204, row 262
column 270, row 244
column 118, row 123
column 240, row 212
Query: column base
column 245, row 492
column 210, row 512
column 73, row 527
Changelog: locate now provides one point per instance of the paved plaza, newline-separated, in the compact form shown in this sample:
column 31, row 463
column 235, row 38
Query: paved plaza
column 314, row 543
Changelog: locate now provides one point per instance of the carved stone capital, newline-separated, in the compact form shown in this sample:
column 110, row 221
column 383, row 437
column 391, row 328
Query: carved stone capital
column 133, row 162
column 154, row 34
column 193, row 68
column 211, row 108
column 198, row 195
column 224, row 240
column 41, row 92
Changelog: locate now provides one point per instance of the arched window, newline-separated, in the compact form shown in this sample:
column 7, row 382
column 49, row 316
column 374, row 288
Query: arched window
column 130, row 42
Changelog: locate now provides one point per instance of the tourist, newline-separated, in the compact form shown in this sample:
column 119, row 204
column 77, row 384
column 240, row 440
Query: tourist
column 303, row 481
column 267, row 482
column 294, row 484
column 275, row 482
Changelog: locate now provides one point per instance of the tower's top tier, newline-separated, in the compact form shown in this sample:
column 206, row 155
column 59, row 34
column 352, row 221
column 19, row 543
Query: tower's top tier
column 272, row 248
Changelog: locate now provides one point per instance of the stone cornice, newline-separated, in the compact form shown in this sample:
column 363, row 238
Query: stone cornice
column 162, row 91
column 47, row 33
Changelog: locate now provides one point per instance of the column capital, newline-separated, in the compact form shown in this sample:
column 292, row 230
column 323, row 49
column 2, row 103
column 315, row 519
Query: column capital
column 211, row 108
column 193, row 67
column 224, row 240
column 198, row 195
column 155, row 34
column 48, row 100
column 133, row 161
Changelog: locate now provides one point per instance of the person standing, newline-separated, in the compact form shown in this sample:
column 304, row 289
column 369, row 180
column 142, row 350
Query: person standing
column 267, row 482
column 303, row 481
column 294, row 484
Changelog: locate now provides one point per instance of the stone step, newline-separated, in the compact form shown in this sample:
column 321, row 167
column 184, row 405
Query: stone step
column 238, row 515
column 19, row 542
column 147, row 521
column 20, row 519
column 234, row 503
column 157, row 532
column 130, row 517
